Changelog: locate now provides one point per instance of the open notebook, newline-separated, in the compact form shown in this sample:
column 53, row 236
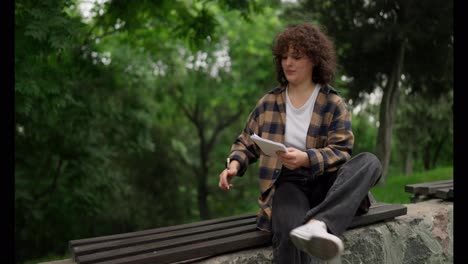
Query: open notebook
column 268, row 147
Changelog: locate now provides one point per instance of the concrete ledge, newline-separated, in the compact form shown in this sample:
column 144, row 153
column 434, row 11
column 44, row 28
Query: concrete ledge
column 424, row 235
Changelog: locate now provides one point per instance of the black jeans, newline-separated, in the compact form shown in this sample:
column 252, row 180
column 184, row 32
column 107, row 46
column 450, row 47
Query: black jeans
column 332, row 198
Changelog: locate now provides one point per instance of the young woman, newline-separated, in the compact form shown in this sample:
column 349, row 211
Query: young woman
column 309, row 194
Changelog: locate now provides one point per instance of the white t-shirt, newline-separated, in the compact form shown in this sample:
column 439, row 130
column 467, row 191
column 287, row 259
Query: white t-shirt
column 298, row 120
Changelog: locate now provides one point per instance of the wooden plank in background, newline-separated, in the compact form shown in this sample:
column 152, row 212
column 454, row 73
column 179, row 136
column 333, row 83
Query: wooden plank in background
column 165, row 244
column 415, row 188
column 445, row 193
column 132, row 241
column 85, row 241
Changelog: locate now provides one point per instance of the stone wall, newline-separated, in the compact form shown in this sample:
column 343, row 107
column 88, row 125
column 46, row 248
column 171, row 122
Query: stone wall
column 424, row 235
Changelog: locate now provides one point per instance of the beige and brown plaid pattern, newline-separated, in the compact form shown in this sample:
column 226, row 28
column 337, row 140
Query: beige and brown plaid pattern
column 329, row 141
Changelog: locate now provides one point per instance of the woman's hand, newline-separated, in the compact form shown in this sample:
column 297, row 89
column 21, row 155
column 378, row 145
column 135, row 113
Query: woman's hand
column 227, row 174
column 294, row 158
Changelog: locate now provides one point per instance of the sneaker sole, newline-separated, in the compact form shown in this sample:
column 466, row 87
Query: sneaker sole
column 319, row 247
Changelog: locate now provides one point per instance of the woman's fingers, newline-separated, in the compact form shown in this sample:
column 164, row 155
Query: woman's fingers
column 223, row 181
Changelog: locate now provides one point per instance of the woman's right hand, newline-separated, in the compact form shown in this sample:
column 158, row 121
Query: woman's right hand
column 227, row 174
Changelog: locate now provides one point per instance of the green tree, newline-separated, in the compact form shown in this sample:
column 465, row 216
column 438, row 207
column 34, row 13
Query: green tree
column 190, row 90
column 424, row 131
column 215, row 88
column 49, row 107
column 100, row 140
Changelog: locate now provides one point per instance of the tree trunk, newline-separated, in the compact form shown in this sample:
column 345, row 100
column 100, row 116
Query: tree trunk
column 202, row 193
column 427, row 156
column 207, row 143
column 438, row 148
column 388, row 110
column 408, row 160
column 202, row 187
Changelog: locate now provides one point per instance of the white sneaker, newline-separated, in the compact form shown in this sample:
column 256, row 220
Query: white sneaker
column 314, row 239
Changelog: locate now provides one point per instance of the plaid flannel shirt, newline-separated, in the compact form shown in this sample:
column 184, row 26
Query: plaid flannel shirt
column 329, row 141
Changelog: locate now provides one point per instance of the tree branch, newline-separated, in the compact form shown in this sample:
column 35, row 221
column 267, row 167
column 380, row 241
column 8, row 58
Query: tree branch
column 51, row 188
column 223, row 124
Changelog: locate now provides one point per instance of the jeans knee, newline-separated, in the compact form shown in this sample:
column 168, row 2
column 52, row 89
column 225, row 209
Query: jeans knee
column 369, row 162
column 372, row 162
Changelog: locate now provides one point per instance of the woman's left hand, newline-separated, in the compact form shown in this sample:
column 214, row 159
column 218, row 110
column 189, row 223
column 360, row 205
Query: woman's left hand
column 294, row 158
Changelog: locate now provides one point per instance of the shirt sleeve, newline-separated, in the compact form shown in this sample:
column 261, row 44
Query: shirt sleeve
column 340, row 141
column 244, row 149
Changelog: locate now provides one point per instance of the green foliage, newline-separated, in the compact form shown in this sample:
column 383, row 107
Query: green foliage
column 74, row 121
column 99, row 132
column 424, row 130
column 123, row 121
column 367, row 35
column 394, row 189
column 364, row 131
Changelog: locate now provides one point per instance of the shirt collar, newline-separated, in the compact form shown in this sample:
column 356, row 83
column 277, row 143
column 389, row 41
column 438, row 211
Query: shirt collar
column 323, row 88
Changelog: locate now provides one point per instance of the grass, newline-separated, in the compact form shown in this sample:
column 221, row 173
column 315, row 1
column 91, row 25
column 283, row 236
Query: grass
column 393, row 191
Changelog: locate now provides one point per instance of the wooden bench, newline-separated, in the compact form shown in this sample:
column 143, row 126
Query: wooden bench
column 427, row 190
column 198, row 240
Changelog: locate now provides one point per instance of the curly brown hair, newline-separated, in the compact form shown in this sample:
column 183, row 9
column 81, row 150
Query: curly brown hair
column 306, row 39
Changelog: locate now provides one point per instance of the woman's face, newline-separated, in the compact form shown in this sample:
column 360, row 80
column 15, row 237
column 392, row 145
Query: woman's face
column 297, row 67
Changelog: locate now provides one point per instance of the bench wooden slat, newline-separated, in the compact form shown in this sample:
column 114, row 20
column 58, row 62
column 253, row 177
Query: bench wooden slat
column 378, row 213
column 200, row 240
column 90, row 248
column 197, row 250
column 433, row 189
column 428, row 190
column 445, row 193
column 414, row 188
column 84, row 241
column 160, row 245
